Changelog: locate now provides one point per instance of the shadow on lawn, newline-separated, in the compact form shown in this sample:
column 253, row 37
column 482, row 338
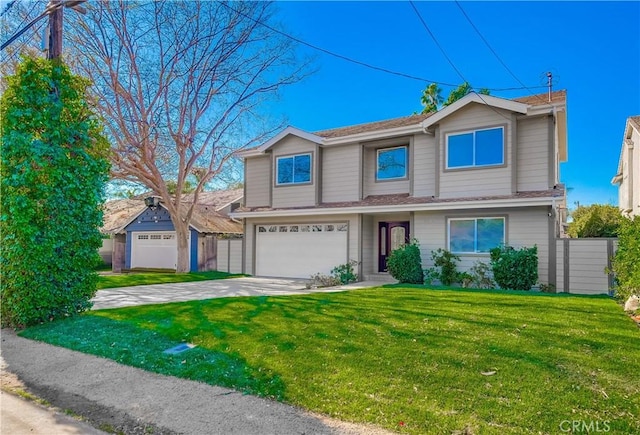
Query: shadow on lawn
column 136, row 346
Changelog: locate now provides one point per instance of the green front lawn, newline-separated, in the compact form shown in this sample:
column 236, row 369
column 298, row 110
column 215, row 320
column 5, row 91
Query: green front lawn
column 144, row 278
column 407, row 359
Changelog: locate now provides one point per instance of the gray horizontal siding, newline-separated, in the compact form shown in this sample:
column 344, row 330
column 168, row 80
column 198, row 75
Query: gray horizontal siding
column 341, row 173
column 258, row 181
column 533, row 154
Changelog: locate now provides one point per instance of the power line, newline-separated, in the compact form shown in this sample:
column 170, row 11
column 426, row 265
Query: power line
column 450, row 61
column 435, row 40
column 349, row 59
column 491, row 48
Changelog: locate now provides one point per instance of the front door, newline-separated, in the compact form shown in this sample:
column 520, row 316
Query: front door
column 391, row 235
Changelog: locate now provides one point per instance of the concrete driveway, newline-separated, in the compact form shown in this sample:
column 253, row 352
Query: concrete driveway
column 188, row 291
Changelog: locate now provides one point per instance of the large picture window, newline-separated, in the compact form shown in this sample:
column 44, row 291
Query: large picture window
column 293, row 169
column 476, row 148
column 475, row 235
column 391, row 163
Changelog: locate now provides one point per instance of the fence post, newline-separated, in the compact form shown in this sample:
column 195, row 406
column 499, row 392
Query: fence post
column 610, row 273
column 567, row 280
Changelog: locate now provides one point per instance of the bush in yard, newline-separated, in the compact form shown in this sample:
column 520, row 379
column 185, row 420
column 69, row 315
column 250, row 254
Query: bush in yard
column 52, row 172
column 481, row 276
column 515, row 269
column 344, row 272
column 626, row 263
column 405, row 265
column 445, row 264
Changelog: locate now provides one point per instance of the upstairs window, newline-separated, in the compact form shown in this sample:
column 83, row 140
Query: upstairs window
column 293, row 169
column 475, row 235
column 391, row 163
column 476, row 148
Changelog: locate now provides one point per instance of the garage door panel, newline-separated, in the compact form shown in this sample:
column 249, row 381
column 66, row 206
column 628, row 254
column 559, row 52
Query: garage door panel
column 300, row 254
column 158, row 250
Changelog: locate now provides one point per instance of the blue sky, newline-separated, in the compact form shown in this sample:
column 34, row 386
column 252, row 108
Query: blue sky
column 592, row 49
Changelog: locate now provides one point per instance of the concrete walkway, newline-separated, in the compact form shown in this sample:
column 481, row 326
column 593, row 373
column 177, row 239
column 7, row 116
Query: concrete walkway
column 222, row 288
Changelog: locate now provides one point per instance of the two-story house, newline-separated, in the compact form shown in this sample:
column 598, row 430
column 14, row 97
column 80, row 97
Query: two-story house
column 628, row 176
column 481, row 172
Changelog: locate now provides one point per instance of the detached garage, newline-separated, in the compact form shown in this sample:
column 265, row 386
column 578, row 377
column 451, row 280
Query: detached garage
column 300, row 250
column 144, row 237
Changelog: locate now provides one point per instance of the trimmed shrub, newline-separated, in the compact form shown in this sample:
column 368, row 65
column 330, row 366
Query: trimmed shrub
column 405, row 265
column 445, row 263
column 344, row 272
column 626, row 263
column 515, row 269
column 53, row 168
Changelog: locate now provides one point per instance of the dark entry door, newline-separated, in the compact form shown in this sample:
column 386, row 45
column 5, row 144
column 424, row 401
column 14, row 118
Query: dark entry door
column 391, row 235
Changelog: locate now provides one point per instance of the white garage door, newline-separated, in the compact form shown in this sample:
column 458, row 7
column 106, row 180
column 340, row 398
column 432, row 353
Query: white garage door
column 157, row 250
column 300, row 250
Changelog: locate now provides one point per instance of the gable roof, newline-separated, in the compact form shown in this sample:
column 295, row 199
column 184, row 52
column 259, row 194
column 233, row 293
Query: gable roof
column 413, row 123
column 633, row 122
column 206, row 218
column 277, row 138
column 488, row 100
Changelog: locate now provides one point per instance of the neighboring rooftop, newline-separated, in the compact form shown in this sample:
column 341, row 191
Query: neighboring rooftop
column 635, row 121
column 206, row 218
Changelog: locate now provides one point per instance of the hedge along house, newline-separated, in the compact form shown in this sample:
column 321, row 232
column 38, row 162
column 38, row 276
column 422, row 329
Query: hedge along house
column 144, row 237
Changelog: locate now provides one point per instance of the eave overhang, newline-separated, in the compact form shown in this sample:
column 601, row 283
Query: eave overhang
column 436, row 206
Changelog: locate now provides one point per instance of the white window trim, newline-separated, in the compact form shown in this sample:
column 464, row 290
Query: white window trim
column 293, row 156
column 406, row 162
column 475, row 240
column 459, row 133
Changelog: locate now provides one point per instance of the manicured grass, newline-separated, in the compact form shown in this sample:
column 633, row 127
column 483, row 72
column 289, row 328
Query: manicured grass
column 409, row 359
column 143, row 278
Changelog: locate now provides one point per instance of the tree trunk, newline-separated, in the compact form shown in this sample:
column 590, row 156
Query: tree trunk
column 182, row 234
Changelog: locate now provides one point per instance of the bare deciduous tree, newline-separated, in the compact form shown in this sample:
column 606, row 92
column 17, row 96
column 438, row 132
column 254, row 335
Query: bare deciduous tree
column 180, row 85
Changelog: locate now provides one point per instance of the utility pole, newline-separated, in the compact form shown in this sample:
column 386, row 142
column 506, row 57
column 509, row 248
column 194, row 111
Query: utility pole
column 55, row 29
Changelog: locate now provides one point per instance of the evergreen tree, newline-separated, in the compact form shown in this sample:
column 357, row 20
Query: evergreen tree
column 52, row 173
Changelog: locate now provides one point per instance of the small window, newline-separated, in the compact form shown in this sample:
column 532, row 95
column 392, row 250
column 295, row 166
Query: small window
column 391, row 163
column 273, row 229
column 329, row 227
column 156, row 236
column 305, row 228
column 476, row 235
column 316, row 228
column 293, row 169
column 476, row 149
column 342, row 227
column 168, row 237
column 283, row 229
column 143, row 237
column 293, row 229
column 262, row 229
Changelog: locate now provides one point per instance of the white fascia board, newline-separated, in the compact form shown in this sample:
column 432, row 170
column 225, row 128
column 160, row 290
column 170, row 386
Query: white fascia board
column 499, row 103
column 461, row 205
column 374, row 135
column 277, row 138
